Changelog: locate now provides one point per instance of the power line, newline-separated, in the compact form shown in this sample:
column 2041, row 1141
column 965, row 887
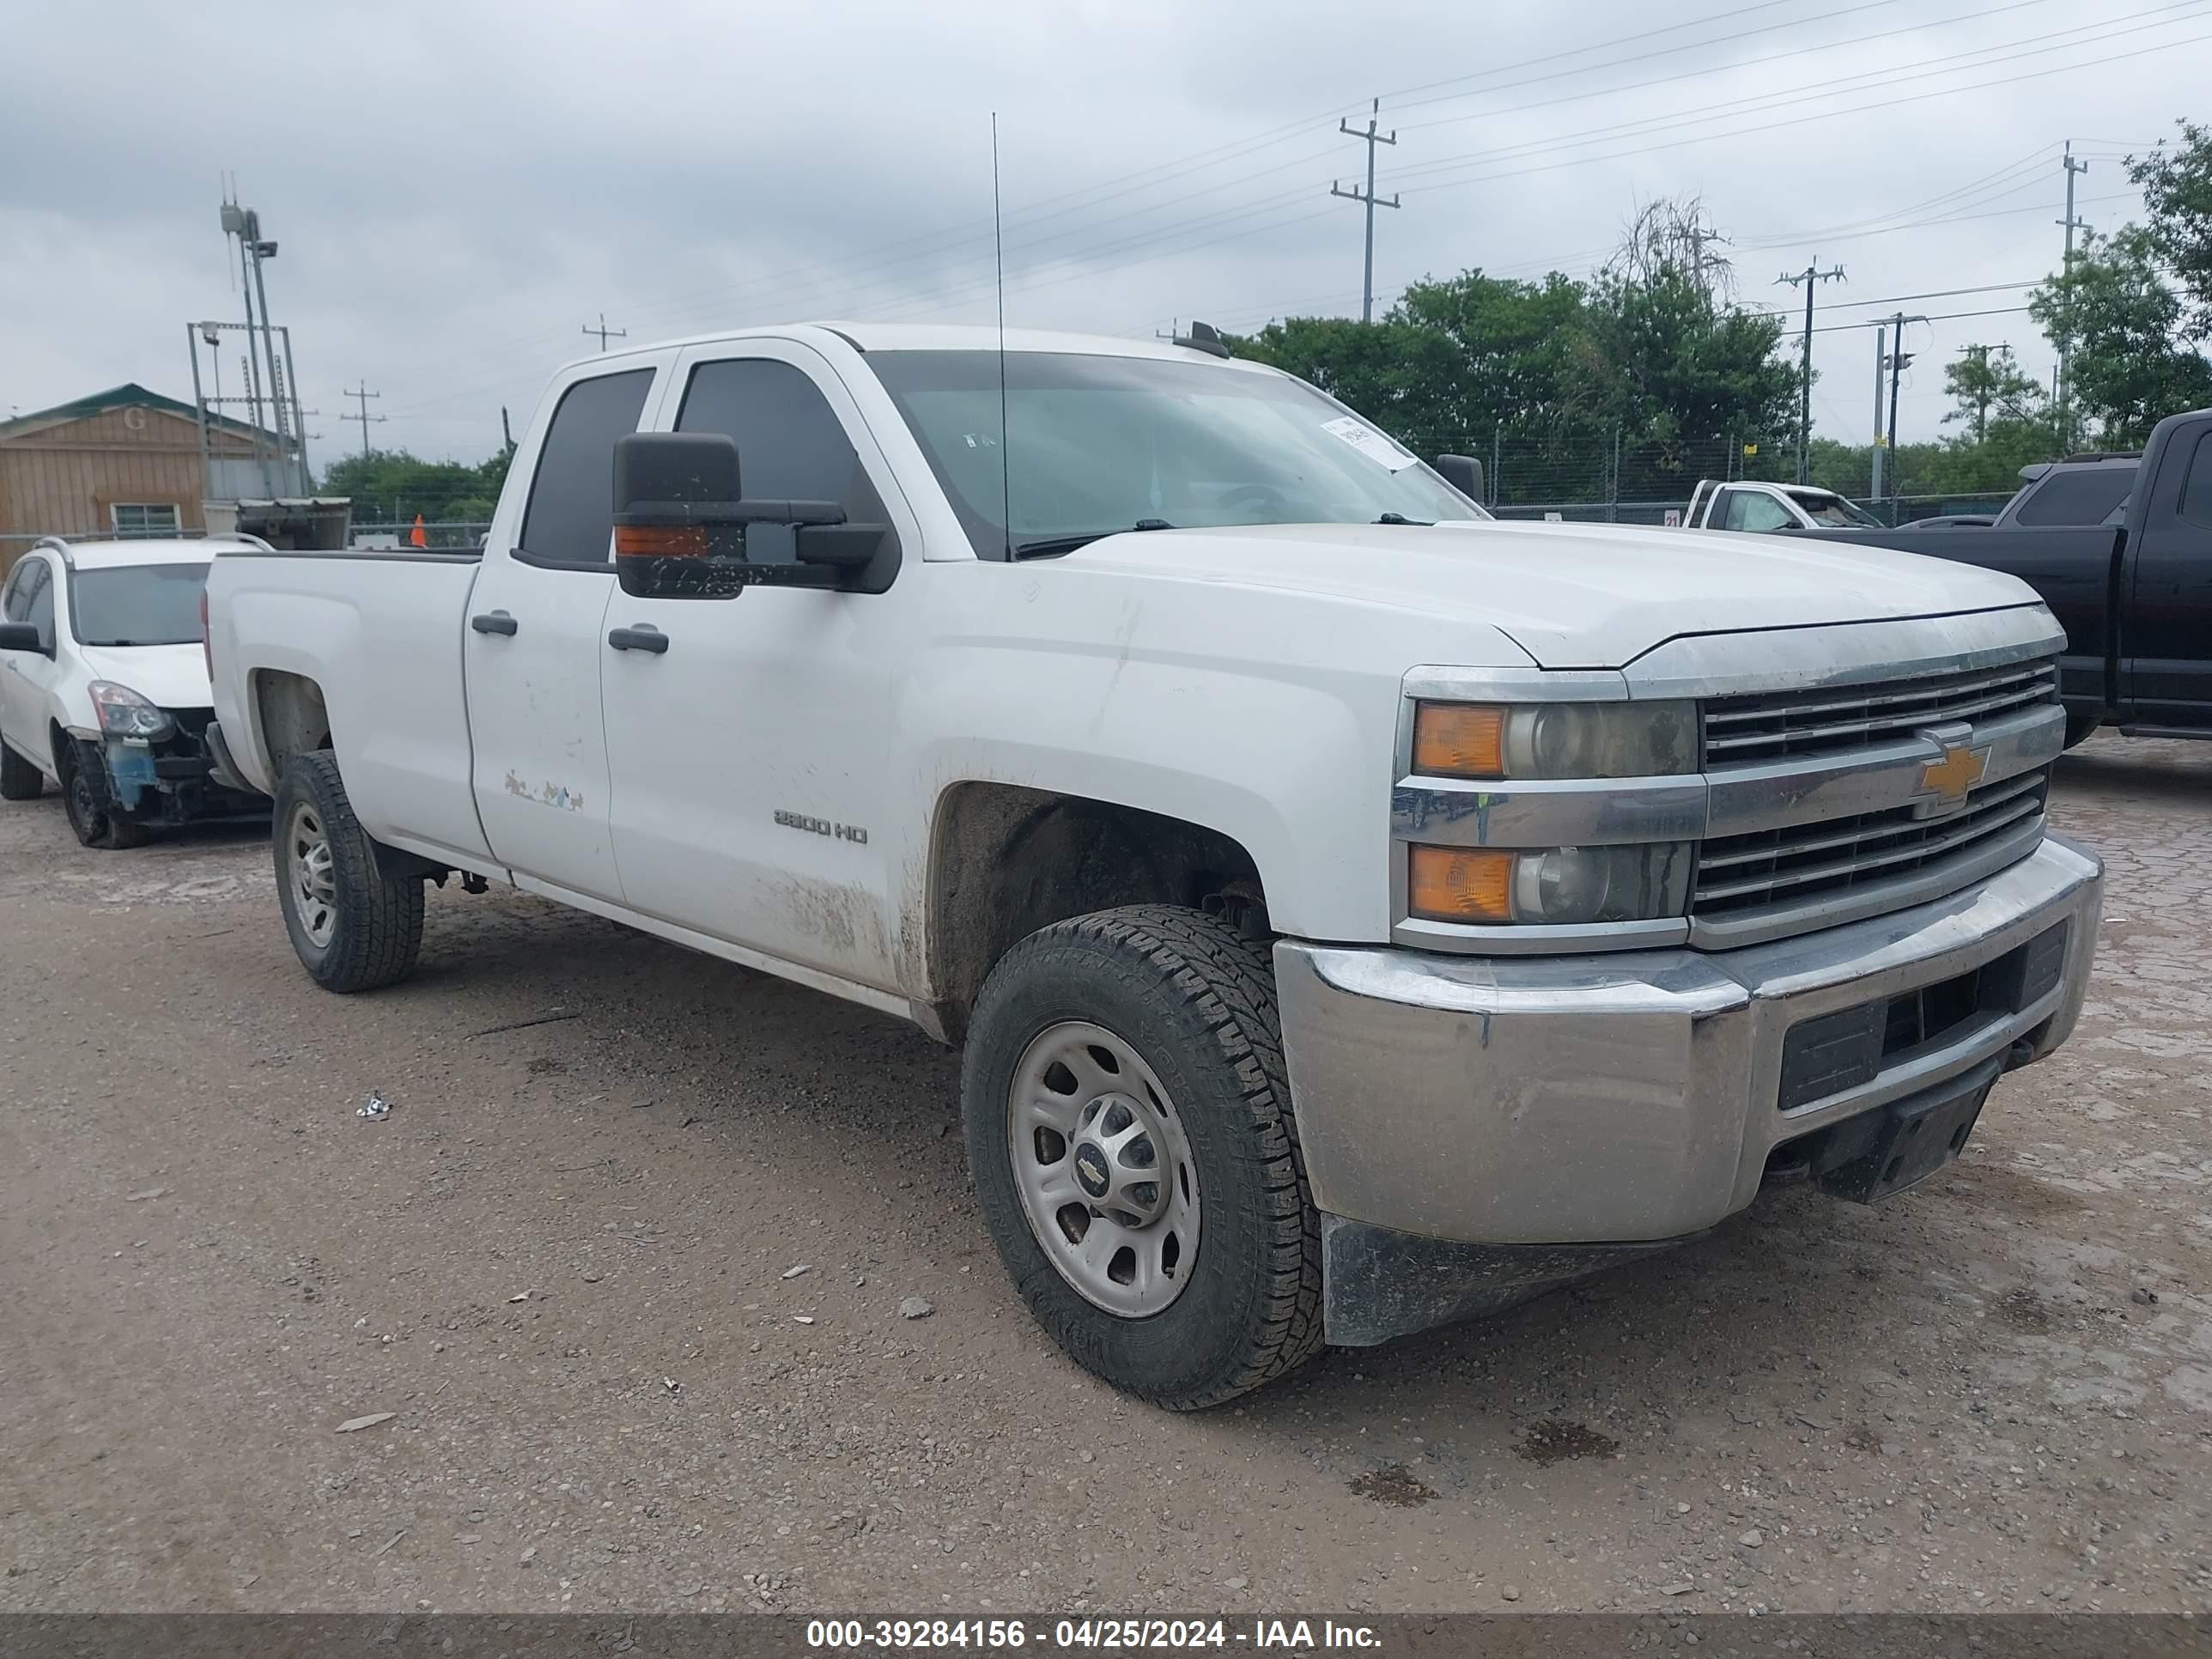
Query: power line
column 1370, row 138
column 1939, row 317
column 724, row 296
column 1269, row 211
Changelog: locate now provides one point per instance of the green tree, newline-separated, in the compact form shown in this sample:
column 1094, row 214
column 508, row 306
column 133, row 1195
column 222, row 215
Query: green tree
column 1983, row 379
column 1631, row 384
column 390, row 486
column 2177, row 187
column 2132, row 361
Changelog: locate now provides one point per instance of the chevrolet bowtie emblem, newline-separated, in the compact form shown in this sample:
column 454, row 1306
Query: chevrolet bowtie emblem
column 1958, row 771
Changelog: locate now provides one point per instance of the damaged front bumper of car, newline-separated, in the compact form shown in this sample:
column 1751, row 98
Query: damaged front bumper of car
column 173, row 779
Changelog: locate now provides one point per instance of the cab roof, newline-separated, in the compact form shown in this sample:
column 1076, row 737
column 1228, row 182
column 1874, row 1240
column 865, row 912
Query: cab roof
column 938, row 337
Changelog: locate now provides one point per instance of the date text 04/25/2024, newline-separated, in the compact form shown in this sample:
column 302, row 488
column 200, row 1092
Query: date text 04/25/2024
column 1092, row 1633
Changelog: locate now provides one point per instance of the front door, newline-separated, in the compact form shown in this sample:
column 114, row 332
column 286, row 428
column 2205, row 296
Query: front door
column 2166, row 628
column 749, row 755
column 535, row 638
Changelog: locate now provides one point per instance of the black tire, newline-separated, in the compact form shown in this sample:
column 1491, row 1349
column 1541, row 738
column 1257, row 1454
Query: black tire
column 1196, row 1000
column 372, row 932
column 87, row 803
column 19, row 778
column 2079, row 728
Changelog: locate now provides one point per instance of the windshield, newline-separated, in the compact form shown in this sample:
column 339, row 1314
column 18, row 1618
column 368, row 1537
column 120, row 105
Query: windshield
column 1105, row 444
column 138, row 605
column 1822, row 507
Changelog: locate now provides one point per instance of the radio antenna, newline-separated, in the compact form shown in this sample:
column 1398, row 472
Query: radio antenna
column 999, row 255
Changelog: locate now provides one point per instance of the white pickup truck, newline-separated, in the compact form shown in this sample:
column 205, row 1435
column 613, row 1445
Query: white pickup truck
column 1355, row 919
column 1747, row 504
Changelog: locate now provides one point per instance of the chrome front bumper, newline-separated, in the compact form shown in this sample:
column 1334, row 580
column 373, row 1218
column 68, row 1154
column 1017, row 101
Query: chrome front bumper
column 1623, row 1098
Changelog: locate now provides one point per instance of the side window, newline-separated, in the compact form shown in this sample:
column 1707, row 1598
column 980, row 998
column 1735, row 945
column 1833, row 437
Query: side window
column 570, row 519
column 2078, row 495
column 40, row 614
column 1748, row 509
column 15, row 598
column 791, row 445
column 2197, row 488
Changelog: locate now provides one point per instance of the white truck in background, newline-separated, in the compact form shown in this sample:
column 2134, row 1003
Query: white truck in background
column 1357, row 915
column 1747, row 504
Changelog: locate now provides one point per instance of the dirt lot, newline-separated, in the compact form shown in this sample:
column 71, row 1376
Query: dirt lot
column 561, row 1265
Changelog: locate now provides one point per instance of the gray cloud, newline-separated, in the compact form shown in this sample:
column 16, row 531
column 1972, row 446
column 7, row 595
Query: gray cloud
column 456, row 190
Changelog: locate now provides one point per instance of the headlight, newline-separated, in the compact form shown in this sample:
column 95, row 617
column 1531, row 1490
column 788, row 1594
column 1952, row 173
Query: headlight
column 1555, row 885
column 1555, row 739
column 124, row 713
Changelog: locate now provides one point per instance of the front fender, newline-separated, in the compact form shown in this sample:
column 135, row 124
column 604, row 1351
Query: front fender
column 1269, row 716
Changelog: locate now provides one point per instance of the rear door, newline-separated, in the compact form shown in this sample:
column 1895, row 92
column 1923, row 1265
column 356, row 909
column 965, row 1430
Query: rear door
column 22, row 673
column 535, row 639
column 2166, row 628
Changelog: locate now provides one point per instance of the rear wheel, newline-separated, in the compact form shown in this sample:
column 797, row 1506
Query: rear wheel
column 1128, row 1123
column 19, row 778
column 354, row 926
column 87, row 803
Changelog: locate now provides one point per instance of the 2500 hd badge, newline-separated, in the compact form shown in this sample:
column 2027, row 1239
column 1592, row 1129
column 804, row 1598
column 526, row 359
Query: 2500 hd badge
column 851, row 832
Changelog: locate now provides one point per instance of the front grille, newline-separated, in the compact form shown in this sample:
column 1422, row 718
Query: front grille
column 1800, row 863
column 1776, row 725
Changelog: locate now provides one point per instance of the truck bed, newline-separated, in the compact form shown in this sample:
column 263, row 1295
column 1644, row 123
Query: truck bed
column 381, row 633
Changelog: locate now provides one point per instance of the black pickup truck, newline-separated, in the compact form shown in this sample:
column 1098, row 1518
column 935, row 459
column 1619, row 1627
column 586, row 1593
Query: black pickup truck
column 2134, row 592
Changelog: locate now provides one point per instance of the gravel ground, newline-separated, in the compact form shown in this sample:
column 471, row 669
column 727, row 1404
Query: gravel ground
column 563, row 1266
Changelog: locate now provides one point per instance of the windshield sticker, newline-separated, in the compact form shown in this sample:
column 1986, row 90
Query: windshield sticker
column 1368, row 442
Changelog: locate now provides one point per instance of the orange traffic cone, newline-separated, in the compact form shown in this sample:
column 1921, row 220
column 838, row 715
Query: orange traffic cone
column 416, row 535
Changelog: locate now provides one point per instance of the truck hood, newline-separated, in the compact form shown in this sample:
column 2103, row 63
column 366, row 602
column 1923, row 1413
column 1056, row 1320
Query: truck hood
column 1572, row 596
column 168, row 676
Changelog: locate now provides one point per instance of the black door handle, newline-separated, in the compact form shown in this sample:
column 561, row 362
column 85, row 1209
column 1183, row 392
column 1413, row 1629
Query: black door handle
column 495, row 622
column 643, row 637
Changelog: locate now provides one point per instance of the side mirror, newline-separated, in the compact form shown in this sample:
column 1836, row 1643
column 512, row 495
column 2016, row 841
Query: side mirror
column 1463, row 473
column 23, row 636
column 684, row 529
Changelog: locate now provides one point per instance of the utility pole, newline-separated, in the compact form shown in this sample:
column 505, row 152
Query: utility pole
column 1812, row 276
column 1880, row 335
column 1698, row 235
column 603, row 331
column 2065, row 388
column 361, row 394
column 1370, row 138
column 1899, row 358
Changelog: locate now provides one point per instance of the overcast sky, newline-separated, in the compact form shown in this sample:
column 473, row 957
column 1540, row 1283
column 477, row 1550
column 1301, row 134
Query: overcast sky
column 458, row 189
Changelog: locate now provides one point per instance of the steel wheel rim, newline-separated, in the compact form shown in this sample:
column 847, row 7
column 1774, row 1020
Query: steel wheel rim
column 1103, row 1169
column 314, row 882
column 82, row 806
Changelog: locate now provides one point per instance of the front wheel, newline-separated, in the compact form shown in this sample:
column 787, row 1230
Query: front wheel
column 2081, row 727
column 87, row 803
column 1128, row 1122
column 354, row 926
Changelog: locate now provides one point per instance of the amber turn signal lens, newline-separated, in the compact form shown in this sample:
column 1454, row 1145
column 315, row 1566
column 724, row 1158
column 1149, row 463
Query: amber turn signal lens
column 659, row 541
column 1450, row 884
column 1459, row 740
